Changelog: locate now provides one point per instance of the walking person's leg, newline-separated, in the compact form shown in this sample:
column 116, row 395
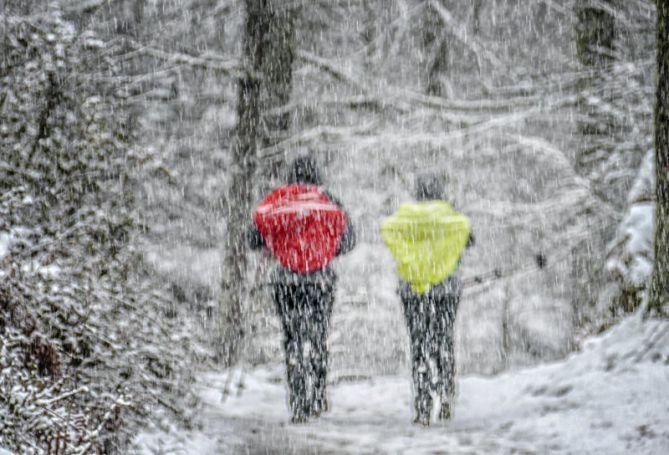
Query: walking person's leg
column 289, row 313
column 433, row 342
column 417, row 322
column 448, row 307
column 323, row 303
column 312, row 315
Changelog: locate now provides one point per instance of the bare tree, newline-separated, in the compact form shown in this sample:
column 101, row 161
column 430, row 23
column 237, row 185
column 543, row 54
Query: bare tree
column 476, row 16
column 595, row 39
column 276, row 69
column 129, row 16
column 595, row 35
column 659, row 289
column 240, row 190
column 447, row 42
column 269, row 49
column 436, row 46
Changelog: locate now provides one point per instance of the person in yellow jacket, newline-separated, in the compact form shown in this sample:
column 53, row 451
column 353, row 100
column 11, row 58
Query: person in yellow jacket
column 427, row 239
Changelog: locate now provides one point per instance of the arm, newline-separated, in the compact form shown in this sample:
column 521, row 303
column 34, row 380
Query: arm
column 348, row 239
column 471, row 241
column 254, row 239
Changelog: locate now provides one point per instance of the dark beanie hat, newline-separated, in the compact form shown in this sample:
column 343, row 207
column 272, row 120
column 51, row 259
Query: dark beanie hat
column 429, row 187
column 304, row 169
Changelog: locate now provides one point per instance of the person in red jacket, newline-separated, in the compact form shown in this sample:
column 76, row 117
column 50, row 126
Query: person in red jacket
column 304, row 301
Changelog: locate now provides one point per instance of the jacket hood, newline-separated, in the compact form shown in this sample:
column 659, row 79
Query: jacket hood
column 304, row 170
column 429, row 187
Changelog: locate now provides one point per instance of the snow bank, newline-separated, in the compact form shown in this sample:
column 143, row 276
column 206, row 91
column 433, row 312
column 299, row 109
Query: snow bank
column 631, row 252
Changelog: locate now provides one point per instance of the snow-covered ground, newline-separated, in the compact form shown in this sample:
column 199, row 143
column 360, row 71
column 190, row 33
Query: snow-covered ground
column 610, row 398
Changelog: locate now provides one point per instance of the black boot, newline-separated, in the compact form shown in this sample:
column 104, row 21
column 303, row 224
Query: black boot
column 445, row 410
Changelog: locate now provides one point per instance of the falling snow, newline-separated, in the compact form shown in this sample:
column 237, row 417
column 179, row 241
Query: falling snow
column 139, row 138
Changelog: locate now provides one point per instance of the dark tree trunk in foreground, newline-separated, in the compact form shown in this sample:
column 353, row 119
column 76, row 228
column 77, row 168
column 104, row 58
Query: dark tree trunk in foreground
column 277, row 72
column 269, row 49
column 240, row 191
column 659, row 289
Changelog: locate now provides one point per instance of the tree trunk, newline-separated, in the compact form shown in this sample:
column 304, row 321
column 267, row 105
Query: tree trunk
column 277, row 72
column 128, row 16
column 595, row 32
column 476, row 16
column 240, row 191
column 441, row 48
column 269, row 50
column 436, row 52
column 595, row 35
column 659, row 288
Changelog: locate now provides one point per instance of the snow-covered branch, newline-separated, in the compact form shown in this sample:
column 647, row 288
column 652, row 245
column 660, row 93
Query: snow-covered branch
column 460, row 33
column 230, row 67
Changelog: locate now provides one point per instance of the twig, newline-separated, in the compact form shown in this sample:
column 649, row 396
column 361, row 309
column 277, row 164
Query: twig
column 229, row 67
column 319, row 133
column 460, row 33
column 63, row 396
column 83, row 6
column 331, row 69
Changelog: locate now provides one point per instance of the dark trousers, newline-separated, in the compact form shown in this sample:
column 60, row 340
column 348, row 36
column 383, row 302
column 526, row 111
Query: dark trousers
column 305, row 310
column 430, row 318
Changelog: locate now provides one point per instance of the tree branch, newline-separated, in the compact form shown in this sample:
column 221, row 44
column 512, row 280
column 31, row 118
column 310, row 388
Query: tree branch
column 461, row 35
column 230, row 67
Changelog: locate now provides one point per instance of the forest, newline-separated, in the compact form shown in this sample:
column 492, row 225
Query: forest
column 139, row 140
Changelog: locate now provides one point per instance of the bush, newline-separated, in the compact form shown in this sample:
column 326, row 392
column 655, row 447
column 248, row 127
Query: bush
column 89, row 345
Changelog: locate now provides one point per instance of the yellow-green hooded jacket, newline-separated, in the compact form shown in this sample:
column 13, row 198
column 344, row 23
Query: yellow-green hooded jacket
column 426, row 239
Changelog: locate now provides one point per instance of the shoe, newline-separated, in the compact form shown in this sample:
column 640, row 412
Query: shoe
column 424, row 420
column 445, row 412
column 299, row 419
column 322, row 405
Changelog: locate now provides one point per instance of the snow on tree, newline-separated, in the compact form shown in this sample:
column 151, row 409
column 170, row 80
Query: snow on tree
column 90, row 345
column 137, row 135
column 630, row 253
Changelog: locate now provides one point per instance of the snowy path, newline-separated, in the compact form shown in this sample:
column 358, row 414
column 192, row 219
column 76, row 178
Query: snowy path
column 611, row 398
